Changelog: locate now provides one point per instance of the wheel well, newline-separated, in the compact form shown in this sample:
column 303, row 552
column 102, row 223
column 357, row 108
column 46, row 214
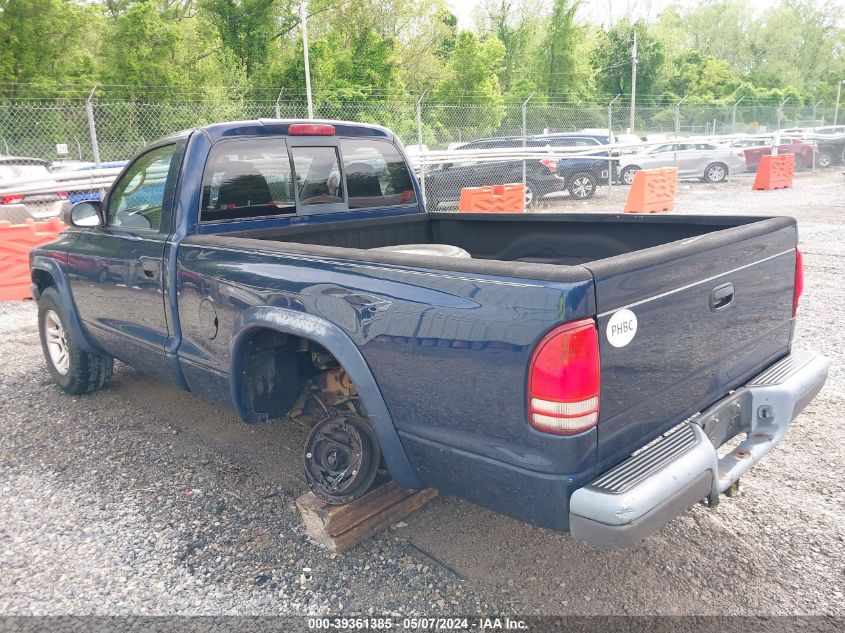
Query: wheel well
column 275, row 370
column 42, row 279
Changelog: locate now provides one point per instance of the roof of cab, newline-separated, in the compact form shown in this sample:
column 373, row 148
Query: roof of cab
column 279, row 127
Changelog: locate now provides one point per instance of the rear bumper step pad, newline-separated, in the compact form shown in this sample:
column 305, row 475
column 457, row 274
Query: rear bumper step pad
column 670, row 474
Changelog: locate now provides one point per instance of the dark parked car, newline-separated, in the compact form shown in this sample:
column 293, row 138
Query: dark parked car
column 444, row 182
column 576, row 371
column 831, row 150
column 582, row 173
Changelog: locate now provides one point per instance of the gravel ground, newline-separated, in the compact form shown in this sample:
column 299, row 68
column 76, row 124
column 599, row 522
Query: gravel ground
column 141, row 499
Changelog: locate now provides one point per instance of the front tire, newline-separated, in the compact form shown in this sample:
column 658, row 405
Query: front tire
column 627, row 174
column 825, row 159
column 582, row 186
column 716, row 172
column 530, row 196
column 73, row 369
column 798, row 162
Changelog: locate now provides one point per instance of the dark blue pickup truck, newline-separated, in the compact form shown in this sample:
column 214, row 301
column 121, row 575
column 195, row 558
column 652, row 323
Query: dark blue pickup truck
column 578, row 372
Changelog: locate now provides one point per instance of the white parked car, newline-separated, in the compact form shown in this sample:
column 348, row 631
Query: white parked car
column 703, row 161
column 37, row 205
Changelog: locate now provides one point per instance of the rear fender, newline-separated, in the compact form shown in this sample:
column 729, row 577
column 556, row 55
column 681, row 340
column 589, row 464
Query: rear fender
column 72, row 321
column 334, row 340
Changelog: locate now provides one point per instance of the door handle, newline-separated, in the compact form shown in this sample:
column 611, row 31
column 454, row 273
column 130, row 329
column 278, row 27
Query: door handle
column 150, row 268
column 721, row 296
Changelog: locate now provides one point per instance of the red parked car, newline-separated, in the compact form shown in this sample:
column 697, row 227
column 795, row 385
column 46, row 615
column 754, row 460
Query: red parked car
column 755, row 148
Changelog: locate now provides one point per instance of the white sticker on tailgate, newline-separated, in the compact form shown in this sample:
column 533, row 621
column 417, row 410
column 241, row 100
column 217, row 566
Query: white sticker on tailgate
column 621, row 328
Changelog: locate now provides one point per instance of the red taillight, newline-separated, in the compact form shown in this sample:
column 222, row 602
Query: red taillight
column 550, row 163
column 564, row 380
column 62, row 195
column 741, row 153
column 11, row 198
column 311, row 129
column 799, row 281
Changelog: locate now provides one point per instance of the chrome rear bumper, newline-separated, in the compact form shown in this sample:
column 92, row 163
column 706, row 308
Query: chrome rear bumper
column 681, row 467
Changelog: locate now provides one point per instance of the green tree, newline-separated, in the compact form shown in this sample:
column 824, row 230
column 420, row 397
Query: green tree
column 612, row 59
column 696, row 74
column 246, row 28
column 558, row 59
column 471, row 79
column 142, row 47
column 343, row 69
column 516, row 25
column 41, row 43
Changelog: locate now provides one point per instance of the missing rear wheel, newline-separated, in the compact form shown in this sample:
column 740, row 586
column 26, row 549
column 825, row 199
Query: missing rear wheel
column 342, row 457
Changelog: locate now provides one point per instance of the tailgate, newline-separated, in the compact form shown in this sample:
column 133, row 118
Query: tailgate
column 686, row 352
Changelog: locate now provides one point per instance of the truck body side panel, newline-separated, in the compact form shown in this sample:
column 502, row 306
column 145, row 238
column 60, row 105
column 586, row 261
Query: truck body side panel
column 448, row 351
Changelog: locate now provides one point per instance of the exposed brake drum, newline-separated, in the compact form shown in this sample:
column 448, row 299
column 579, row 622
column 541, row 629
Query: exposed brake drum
column 342, row 458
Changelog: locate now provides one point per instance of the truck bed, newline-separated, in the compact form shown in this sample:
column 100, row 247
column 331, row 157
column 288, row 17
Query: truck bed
column 558, row 239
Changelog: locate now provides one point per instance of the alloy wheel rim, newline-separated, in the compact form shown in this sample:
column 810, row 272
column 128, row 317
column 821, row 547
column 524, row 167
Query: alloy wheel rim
column 529, row 197
column 582, row 187
column 57, row 346
column 628, row 176
column 717, row 173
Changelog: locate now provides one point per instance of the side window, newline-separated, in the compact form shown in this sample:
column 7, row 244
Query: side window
column 248, row 178
column 137, row 199
column 376, row 174
column 318, row 175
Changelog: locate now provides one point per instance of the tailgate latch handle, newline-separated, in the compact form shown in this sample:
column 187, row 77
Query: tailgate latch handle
column 721, row 296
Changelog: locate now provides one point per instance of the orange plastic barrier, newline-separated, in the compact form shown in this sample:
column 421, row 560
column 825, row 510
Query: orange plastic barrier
column 497, row 199
column 16, row 240
column 653, row 190
column 775, row 172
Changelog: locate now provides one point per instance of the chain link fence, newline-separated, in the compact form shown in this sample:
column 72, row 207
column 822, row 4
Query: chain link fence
column 108, row 131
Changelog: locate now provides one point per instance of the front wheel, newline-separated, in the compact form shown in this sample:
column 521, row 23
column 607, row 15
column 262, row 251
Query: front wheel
column 530, row 196
column 717, row 172
column 627, row 174
column 73, row 369
column 825, row 158
column 798, row 162
column 582, row 186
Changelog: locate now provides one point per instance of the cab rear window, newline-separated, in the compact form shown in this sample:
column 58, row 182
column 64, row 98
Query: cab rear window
column 247, row 179
column 376, row 174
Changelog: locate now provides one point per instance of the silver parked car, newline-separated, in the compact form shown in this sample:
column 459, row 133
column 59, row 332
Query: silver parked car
column 39, row 206
column 705, row 161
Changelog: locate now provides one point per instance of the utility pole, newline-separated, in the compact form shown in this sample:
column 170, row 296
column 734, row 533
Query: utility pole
column 304, row 25
column 633, row 82
column 838, row 94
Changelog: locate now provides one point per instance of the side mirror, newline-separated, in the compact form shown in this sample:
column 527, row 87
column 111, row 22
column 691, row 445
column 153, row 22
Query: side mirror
column 85, row 214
